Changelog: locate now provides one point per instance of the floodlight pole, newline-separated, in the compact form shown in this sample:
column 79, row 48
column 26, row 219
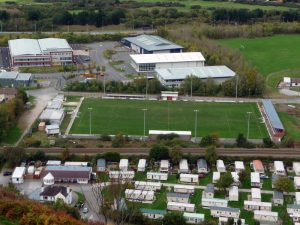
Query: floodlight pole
column 191, row 86
column 90, row 109
column 196, row 118
column 236, row 87
column 146, row 86
column 249, row 114
column 144, row 123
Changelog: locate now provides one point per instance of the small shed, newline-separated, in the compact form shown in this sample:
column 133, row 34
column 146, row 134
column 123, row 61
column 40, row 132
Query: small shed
column 141, row 165
column 189, row 178
column 279, row 168
column 169, row 95
column 239, row 166
column 101, row 165
column 221, row 166
column 256, row 194
column 255, row 180
column 209, row 191
column 296, row 168
column 193, row 218
column 42, row 126
column 216, row 177
column 52, row 129
column 183, row 166
column 184, row 188
column 178, row 197
column 164, row 166
column 234, row 193
column 202, row 166
column 153, row 214
column 278, row 198
column 48, row 179
column 123, row 165
column 18, row 175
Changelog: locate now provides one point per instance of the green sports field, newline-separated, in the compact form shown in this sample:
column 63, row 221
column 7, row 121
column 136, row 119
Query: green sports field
column 115, row 116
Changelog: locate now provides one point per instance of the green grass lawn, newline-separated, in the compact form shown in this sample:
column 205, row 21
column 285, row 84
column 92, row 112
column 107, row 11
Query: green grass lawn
column 115, row 116
column 140, row 176
column 65, row 123
column 269, row 54
column 13, row 135
column 291, row 125
column 206, row 180
column 4, row 221
column 160, row 201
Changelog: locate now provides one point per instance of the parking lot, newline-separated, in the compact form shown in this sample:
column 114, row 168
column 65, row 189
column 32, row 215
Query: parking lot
column 4, row 58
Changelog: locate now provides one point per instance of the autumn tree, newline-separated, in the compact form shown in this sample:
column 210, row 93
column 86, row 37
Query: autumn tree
column 211, row 155
column 225, row 181
column 176, row 154
column 284, row 184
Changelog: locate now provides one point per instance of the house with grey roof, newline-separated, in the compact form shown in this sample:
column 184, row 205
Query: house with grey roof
column 293, row 209
column 53, row 193
column 228, row 212
column 278, row 198
column 209, row 191
column 15, row 79
column 178, row 197
column 101, row 165
column 154, row 214
column 202, row 166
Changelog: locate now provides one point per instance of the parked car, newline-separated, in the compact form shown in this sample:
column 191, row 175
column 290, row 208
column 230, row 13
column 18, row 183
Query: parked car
column 264, row 177
column 7, row 173
column 85, row 210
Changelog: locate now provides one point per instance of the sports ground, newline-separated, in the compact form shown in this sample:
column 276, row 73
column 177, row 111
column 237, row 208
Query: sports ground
column 126, row 116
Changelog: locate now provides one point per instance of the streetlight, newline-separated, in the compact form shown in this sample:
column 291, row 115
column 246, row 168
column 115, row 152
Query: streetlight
column 236, row 87
column 196, row 118
column 249, row 114
column 146, row 86
column 191, row 86
column 90, row 109
column 144, row 122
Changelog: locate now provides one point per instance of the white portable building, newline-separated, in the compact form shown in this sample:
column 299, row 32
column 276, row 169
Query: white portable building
column 279, row 168
column 293, row 209
column 178, row 197
column 236, row 178
column 48, row 179
column 139, row 195
column 221, row 166
column 164, row 166
column 256, row 194
column 123, row 165
column 18, row 175
column 52, row 129
column 121, row 174
column 53, row 163
column 278, row 198
column 30, row 170
column 255, row 180
column 209, row 191
column 157, row 176
column 297, row 198
column 189, row 178
column 252, row 205
column 193, row 218
column 183, row 166
column 182, row 207
column 147, row 186
column 216, row 177
column 233, row 193
column 297, row 183
column 184, row 188
column 153, row 214
column 239, row 166
column 202, row 166
column 224, row 220
column 265, row 216
column 208, row 202
column 142, row 165
column 76, row 163
column 296, row 167
column 225, row 212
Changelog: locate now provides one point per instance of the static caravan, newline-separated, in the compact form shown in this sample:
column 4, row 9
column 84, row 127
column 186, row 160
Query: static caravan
column 274, row 179
column 297, row 198
column 255, row 180
column 225, row 212
column 17, row 176
column 147, row 186
column 153, row 214
column 278, row 198
column 251, row 206
column 279, row 168
column 157, row 176
column 234, row 193
column 193, row 218
column 208, row 202
column 139, row 195
column 297, row 183
column 182, row 207
column 189, row 178
column 209, row 191
column 265, row 216
column 178, row 197
column 224, row 221
column 202, row 166
column 189, row 189
column 123, row 165
column 296, row 167
column 258, row 166
column 164, row 166
column 183, row 166
column 255, row 194
column 239, row 166
column 101, row 165
column 293, row 209
column 141, row 165
column 236, row 178
column 221, row 166
column 121, row 174
column 216, row 177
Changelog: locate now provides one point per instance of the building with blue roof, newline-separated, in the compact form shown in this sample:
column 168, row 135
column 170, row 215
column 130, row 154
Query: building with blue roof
column 154, row 214
column 15, row 79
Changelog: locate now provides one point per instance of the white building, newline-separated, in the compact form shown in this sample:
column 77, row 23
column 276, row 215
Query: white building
column 216, row 177
column 265, row 216
column 209, row 191
column 17, row 176
column 296, row 167
column 297, row 198
column 208, row 202
column 142, row 165
column 202, row 166
column 258, row 166
column 252, row 205
column 184, row 189
column 53, row 163
column 236, row 178
column 169, row 95
column 53, row 193
column 279, row 168
column 297, row 183
column 221, row 166
column 164, row 166
column 121, row 174
column 234, row 193
column 153, row 214
column 52, row 129
column 182, row 207
column 72, row 163
column 101, row 165
column 239, row 166
column 224, row 221
column 256, row 194
column 189, row 178
column 55, row 117
column 54, row 104
column 48, row 179
column 278, row 198
column 147, row 186
column 157, row 176
column 183, row 166
column 178, row 197
column 255, row 180
column 293, row 209
column 123, row 165
column 225, row 212
column 193, row 218
column 150, row 62
column 139, row 195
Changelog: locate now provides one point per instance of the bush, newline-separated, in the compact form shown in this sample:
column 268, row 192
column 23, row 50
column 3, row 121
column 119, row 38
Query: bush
column 112, row 156
column 118, row 141
column 268, row 143
column 105, row 137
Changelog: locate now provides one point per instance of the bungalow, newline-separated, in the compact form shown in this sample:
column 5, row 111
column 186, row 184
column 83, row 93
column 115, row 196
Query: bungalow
column 121, row 174
column 278, row 198
column 189, row 189
column 209, row 191
column 101, row 165
column 207, row 202
column 202, row 166
column 297, row 198
column 123, row 165
column 292, row 209
column 53, row 193
column 216, row 177
column 255, row 180
column 139, row 196
column 236, row 178
column 164, row 166
column 142, row 165
column 265, row 216
column 279, row 168
column 153, row 214
column 255, row 194
column 296, row 167
column 157, row 176
column 252, row 205
column 178, row 197
column 224, row 221
column 147, row 186
column 225, row 212
column 297, row 183
column 183, row 207
column 189, row 178
column 258, row 166
column 17, row 176
column 193, row 218
column 233, row 193
column 183, row 166
column 220, row 166
column 239, row 166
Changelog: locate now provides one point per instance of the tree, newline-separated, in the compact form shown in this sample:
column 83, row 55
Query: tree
column 174, row 218
column 14, row 156
column 225, row 181
column 243, row 175
column 176, row 154
column 118, row 141
column 268, row 143
column 159, row 152
column 283, row 183
column 65, row 155
column 239, row 222
column 211, row 155
column 241, row 141
column 230, row 221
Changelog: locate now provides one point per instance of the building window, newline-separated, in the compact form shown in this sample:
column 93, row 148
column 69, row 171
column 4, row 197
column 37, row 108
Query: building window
column 147, row 67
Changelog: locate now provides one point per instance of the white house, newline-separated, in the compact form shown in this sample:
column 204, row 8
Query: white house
column 164, row 166
column 209, row 191
column 236, row 178
column 142, row 165
column 279, row 168
column 233, row 193
column 147, row 186
column 239, row 166
column 48, row 179
column 182, row 207
column 18, row 175
column 208, row 202
column 255, row 180
column 178, row 197
column 297, row 198
column 139, row 195
column 255, row 194
column 101, row 165
column 52, row 129
column 278, row 198
column 252, row 205
column 216, row 177
column 296, row 167
column 202, row 166
column 53, row 193
column 221, row 166
column 123, row 165
column 157, row 176
column 265, row 216
column 193, row 218
column 121, row 174
column 225, row 212
column 189, row 178
column 153, row 214
column 184, row 189
column 183, row 166
column 297, row 183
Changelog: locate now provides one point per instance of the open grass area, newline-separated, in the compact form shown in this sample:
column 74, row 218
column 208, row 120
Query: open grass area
column 4, row 221
column 13, row 135
column 291, row 125
column 115, row 116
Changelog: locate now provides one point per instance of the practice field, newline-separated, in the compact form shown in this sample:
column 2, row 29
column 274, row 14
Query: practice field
column 115, row 116
column 269, row 54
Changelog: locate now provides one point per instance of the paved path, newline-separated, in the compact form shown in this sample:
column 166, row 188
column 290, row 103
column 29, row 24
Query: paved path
column 73, row 117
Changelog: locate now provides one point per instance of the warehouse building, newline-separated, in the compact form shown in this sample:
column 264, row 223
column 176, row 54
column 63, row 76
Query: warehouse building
column 173, row 77
column 41, row 52
column 15, row 79
column 150, row 44
column 150, row 62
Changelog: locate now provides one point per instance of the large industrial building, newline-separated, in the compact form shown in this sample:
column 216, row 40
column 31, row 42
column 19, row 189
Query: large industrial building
column 15, row 79
column 172, row 77
column 151, row 44
column 150, row 62
column 41, row 52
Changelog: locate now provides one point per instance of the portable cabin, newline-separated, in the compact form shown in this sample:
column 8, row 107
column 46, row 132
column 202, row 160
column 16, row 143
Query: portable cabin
column 153, row 214
column 258, row 166
column 121, row 174
column 279, row 168
column 139, row 195
column 53, row 163
column 293, row 209
column 278, row 198
column 252, row 205
column 189, row 189
column 157, row 176
column 147, row 186
column 101, row 165
column 189, row 178
column 274, row 179
column 123, row 165
column 224, row 221
column 265, row 216
column 17, row 176
column 297, row 183
column 183, row 166
column 202, row 166
column 208, row 202
column 228, row 212
column 141, row 165
column 178, row 197
column 216, row 177
column 297, row 198
column 221, row 166
column 182, row 207
column 233, row 193
column 296, row 168
column 255, row 180
column 72, row 163
column 164, row 166
column 236, row 178
column 239, row 166
column 255, row 194
column 209, row 191
column 193, row 218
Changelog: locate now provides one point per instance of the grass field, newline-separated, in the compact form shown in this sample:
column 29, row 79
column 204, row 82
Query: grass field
column 269, row 54
column 115, row 116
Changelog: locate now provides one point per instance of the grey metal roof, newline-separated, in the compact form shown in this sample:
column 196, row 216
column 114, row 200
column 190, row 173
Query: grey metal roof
column 48, row 44
column 274, row 178
column 24, row 47
column 8, row 75
column 152, row 42
column 201, row 163
column 24, row 76
column 293, row 206
column 153, row 211
column 227, row 209
column 272, row 114
column 278, row 194
column 210, row 188
column 177, row 195
column 68, row 168
column 201, row 72
column 101, row 162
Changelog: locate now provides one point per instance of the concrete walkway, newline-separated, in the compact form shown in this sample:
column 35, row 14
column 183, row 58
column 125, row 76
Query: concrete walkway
column 74, row 116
